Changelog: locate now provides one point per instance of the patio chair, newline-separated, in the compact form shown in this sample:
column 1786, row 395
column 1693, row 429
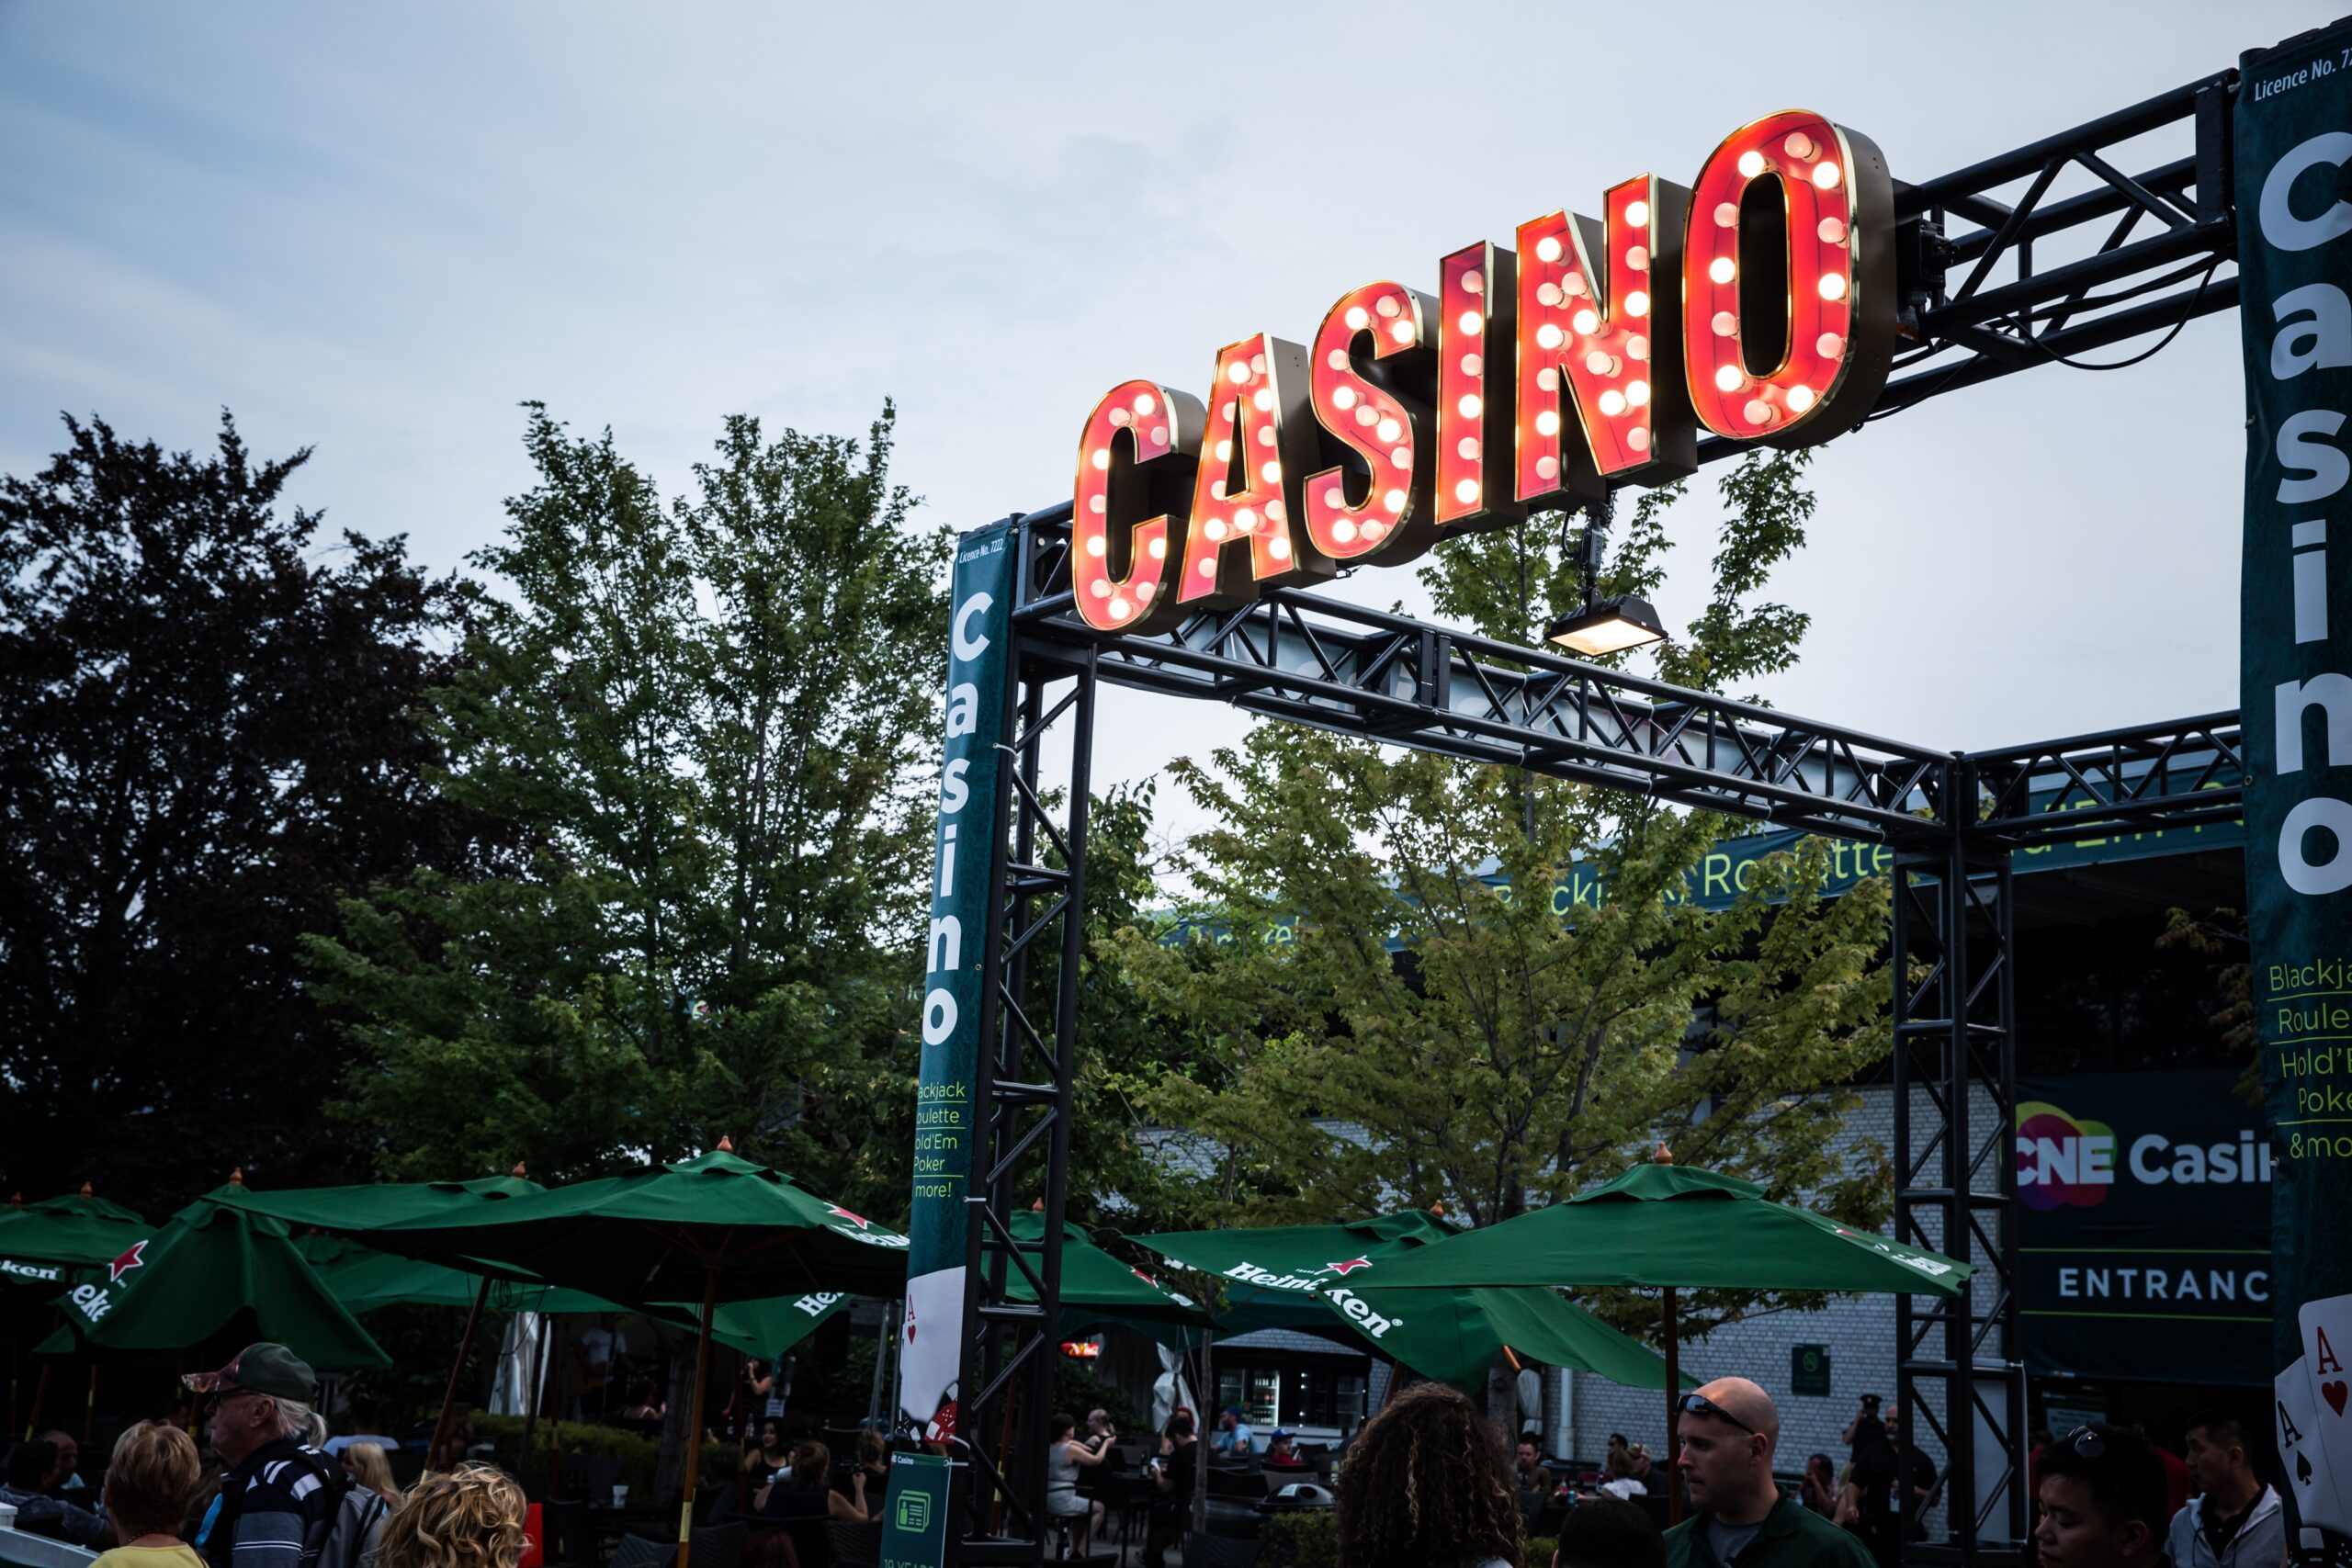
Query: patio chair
column 722, row 1546
column 636, row 1552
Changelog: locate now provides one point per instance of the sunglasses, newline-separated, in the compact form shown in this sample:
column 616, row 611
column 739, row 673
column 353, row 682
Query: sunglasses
column 1700, row 1405
column 2086, row 1443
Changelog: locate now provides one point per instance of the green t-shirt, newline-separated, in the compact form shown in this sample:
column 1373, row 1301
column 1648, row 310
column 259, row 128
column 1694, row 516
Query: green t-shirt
column 1790, row 1536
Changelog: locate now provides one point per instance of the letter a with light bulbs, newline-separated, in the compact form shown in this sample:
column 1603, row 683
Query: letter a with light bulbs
column 1759, row 304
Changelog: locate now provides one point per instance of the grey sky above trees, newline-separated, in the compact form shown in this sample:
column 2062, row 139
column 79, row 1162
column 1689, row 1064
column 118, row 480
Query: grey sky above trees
column 378, row 231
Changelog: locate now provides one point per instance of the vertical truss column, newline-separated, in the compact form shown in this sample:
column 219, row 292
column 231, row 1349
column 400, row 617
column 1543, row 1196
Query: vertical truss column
column 1021, row 1099
column 1960, row 1369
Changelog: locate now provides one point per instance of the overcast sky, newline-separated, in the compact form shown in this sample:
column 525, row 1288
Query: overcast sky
column 376, row 230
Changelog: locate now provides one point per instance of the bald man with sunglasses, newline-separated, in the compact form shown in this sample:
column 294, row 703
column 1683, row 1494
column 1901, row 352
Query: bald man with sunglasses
column 1729, row 1431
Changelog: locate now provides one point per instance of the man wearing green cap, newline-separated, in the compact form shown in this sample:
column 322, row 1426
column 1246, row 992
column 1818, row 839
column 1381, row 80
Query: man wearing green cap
column 278, row 1502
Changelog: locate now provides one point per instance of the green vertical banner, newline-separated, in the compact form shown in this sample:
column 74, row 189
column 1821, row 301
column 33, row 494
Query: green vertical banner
column 914, row 1517
column 931, row 1336
column 2292, row 155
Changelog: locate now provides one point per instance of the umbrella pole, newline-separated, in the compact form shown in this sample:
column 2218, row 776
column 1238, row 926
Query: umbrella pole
column 693, row 1433
column 457, row 1370
column 41, row 1392
column 1673, row 1415
column 90, row 1405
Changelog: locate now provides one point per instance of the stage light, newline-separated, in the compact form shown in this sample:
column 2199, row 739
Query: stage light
column 1611, row 625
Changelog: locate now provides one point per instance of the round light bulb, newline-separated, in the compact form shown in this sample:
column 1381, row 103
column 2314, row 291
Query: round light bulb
column 1160, row 549
column 1830, row 346
column 1721, row 269
column 1637, row 393
column 1637, row 348
column 1759, row 412
column 1729, row 376
column 1402, row 457
column 1832, row 231
column 1470, row 405
column 1343, row 531
column 1394, row 501
column 1271, row 473
column 1470, row 323
column 1547, row 335
column 1263, row 398
column 1099, row 589
column 1214, row 529
column 1466, row 492
column 1237, row 372
column 1637, row 214
column 1095, row 545
column 1278, row 547
column 1586, row 322
column 1358, row 318
column 1473, row 282
column 1548, row 248
column 1102, row 458
column 1612, row 402
column 1751, row 164
column 1638, row 438
column 1825, row 176
column 1727, row 215
column 1389, row 429
column 1366, row 414
column 1402, row 332
column 1833, row 285
column 1600, row 363
column 1724, row 323
column 1120, row 609
column 1800, row 399
column 1547, row 294
column 1344, row 398
column 1637, row 303
column 1225, row 451
column 1638, row 257
column 1798, row 146
column 1468, row 447
column 1145, row 403
column 1244, row 520
column 1386, row 305
column 1473, row 365
column 1547, row 422
column 1208, row 566
column 1097, row 504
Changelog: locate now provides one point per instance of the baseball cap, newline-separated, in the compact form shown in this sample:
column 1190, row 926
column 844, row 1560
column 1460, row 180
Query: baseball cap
column 264, row 1368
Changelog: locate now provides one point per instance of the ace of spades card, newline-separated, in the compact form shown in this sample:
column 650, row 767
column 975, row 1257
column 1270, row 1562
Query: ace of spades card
column 2308, row 1471
column 2325, row 1403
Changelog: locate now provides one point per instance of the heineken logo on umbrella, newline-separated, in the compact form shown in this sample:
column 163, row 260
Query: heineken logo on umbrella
column 1349, row 1267
column 860, row 1221
column 31, row 1270
column 126, row 1263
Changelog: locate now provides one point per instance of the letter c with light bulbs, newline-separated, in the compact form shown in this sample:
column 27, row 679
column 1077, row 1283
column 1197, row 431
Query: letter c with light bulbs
column 1758, row 303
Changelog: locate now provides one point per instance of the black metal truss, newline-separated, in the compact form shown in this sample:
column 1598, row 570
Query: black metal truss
column 1022, row 1096
column 2050, row 274
column 1960, row 1365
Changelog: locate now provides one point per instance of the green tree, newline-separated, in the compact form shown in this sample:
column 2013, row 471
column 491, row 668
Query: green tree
column 1397, row 1012
column 207, row 738
column 711, row 718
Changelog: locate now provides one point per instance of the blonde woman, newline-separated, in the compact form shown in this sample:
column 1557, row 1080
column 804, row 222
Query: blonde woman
column 468, row 1518
column 370, row 1470
column 150, row 1481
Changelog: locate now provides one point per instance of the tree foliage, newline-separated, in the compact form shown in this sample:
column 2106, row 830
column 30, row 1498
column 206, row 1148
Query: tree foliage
column 1400, row 1006
column 711, row 720
column 205, row 737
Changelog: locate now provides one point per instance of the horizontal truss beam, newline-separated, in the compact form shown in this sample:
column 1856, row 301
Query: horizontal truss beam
column 1317, row 659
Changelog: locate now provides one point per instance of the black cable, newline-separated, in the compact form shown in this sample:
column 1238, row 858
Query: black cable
column 2161, row 343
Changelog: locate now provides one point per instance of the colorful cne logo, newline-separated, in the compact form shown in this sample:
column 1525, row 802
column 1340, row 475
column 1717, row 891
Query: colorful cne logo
column 2062, row 1162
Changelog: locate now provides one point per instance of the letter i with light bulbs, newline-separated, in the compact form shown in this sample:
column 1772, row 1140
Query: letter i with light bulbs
column 1760, row 303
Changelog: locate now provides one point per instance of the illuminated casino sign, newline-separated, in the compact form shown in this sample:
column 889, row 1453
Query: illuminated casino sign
column 1758, row 304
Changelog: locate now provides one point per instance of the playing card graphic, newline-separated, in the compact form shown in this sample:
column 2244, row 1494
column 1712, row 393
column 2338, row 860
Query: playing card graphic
column 2299, row 1446
column 2327, row 1397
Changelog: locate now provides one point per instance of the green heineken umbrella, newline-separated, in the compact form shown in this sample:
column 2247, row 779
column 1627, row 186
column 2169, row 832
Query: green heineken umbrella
column 365, row 1280
column 668, row 1231
column 1452, row 1336
column 1673, row 1227
column 1325, row 1278
column 1097, row 1289
column 42, row 1243
column 212, row 1276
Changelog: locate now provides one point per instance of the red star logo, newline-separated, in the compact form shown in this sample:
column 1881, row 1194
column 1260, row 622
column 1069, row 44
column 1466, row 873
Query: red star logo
column 1145, row 1278
column 1349, row 1267
column 856, row 1220
column 126, row 1263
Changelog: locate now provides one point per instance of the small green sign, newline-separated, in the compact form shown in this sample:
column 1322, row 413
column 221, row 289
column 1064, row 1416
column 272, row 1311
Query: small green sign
column 1809, row 1370
column 914, row 1532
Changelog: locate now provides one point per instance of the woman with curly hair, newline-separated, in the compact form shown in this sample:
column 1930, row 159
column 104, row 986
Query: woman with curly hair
column 468, row 1518
column 1427, row 1485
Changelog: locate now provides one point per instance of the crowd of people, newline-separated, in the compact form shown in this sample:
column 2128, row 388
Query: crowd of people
column 1426, row 1482
column 261, row 1492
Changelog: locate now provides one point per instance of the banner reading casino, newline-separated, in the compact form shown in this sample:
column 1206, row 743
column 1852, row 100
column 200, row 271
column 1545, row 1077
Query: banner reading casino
column 931, row 1336
column 2293, row 165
